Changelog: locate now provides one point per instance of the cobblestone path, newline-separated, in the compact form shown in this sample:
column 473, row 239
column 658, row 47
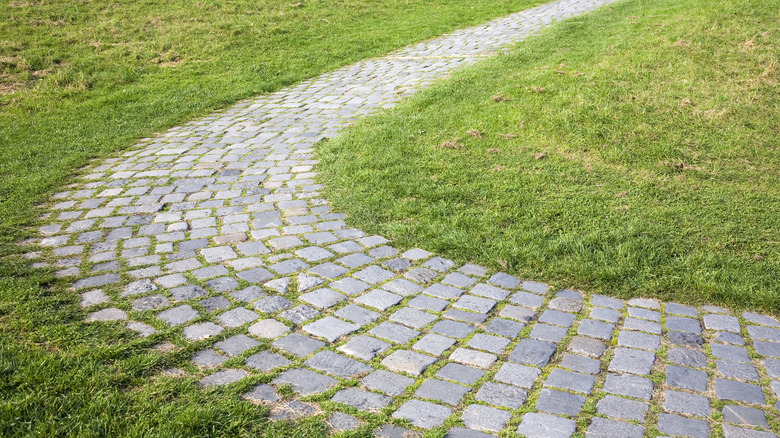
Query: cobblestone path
column 215, row 233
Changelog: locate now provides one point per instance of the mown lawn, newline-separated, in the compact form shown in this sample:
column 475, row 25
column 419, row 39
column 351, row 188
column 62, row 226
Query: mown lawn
column 84, row 79
column 631, row 152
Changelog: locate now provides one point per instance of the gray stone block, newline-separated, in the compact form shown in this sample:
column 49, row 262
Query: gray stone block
column 421, row 275
column 617, row 407
column 460, row 373
column 581, row 363
column 681, row 324
column 178, row 315
column 559, row 402
column 379, row 299
column 337, row 365
column 730, row 352
column 197, row 332
column 518, row 375
column 532, row 352
column 587, row 346
column 412, row 317
column 305, row 382
column 493, row 344
column 681, row 426
column 565, row 305
column 547, row 332
column 487, row 291
column 443, row 391
column 387, row 382
column 299, row 314
column 408, row 362
column 473, row 358
column 596, row 329
column 631, row 386
column 237, row 317
column 150, row 302
column 737, row 370
column 357, row 314
column 208, row 358
column 739, row 391
column 340, row 421
column 686, row 378
column 501, row 279
column 423, row 414
column 424, row 302
column 739, row 432
column 235, row 345
column 504, row 327
column 546, row 426
column 362, row 400
column 570, row 380
column 402, row 287
column 215, row 303
column 224, row 377
column 685, row 339
column 272, row 304
column 350, row 286
column 328, row 270
column 642, row 325
column 687, row 357
column 262, row 393
column 746, row 416
column 434, row 344
column 485, row 418
column 323, row 298
column 629, row 360
column 760, row 319
column 769, row 349
column 721, row 323
column 266, row 361
column 330, row 328
column 498, row 394
column 394, row 333
column 364, row 347
column 526, row 299
column 452, row 329
column 604, row 428
column 684, row 403
column 298, row 344
column 639, row 340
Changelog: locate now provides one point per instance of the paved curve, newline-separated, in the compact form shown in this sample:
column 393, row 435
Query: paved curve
column 215, row 232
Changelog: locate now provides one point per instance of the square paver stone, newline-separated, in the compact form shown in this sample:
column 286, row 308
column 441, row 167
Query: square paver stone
column 272, row 304
column 298, row 344
column 364, row 347
column 394, row 333
column 518, row 375
column 423, row 414
column 235, row 345
column 178, row 315
column 686, row 378
column 493, row 344
column 402, row 286
column 596, row 329
column 581, row 363
column 558, row 402
column 504, row 327
column 639, row 340
column 379, row 299
column 602, row 427
column 408, row 362
column 746, row 416
column 684, row 403
column 739, row 391
column 547, row 332
column 629, row 360
column 443, row 391
column 362, row 400
column 628, row 385
column 473, row 358
column 499, row 394
column 485, row 418
column 681, row 426
column 424, row 302
column 536, row 425
column 587, row 346
column 570, row 380
column 337, row 365
column 556, row 317
column 434, row 344
column 350, row 286
column 330, row 328
column 357, row 314
column 323, row 298
column 387, row 382
column 687, row 357
column 299, row 314
column 460, row 373
column 412, row 317
column 237, row 317
column 618, row 407
column 475, row 304
column 305, row 382
column 532, row 352
column 453, row 329
column 266, row 361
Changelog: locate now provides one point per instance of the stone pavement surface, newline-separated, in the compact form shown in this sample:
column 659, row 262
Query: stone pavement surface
column 216, row 233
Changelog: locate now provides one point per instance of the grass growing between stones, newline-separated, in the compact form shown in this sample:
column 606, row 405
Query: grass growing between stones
column 629, row 152
column 82, row 80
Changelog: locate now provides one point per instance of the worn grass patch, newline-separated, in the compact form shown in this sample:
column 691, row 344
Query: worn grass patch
column 629, row 152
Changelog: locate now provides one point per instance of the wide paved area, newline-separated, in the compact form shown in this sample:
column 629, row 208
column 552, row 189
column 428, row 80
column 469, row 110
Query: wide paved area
column 215, row 233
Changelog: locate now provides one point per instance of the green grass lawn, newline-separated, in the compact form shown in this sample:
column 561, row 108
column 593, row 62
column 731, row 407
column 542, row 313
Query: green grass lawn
column 631, row 152
column 80, row 80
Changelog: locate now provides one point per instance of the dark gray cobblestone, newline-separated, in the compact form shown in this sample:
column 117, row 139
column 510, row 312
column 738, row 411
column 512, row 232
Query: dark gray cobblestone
column 216, row 232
